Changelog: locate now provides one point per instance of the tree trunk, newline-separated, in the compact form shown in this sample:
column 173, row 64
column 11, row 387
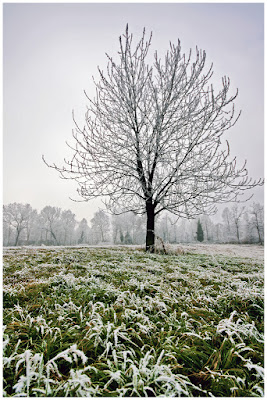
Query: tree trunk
column 54, row 237
column 237, row 233
column 150, row 234
column 28, row 236
column 9, row 234
column 17, row 236
column 258, row 229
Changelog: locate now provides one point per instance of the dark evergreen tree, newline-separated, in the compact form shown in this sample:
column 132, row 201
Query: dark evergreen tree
column 200, row 234
column 81, row 238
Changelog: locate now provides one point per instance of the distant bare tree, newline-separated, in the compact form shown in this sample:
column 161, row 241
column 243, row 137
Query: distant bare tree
column 236, row 215
column 30, row 225
column 226, row 215
column 83, row 232
column 219, row 232
column 100, row 226
column 18, row 216
column 51, row 216
column 152, row 139
column 257, row 220
column 67, row 223
column 166, row 228
column 7, row 227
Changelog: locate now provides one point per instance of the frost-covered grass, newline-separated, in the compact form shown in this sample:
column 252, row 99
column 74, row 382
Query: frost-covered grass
column 120, row 322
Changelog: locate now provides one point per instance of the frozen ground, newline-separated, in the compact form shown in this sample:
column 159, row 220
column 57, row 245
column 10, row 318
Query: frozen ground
column 250, row 251
column 101, row 322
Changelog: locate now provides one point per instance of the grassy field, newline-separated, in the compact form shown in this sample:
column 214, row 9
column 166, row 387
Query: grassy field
column 120, row 322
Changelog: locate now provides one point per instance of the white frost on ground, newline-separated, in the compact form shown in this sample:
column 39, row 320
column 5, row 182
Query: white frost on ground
column 255, row 252
column 245, row 250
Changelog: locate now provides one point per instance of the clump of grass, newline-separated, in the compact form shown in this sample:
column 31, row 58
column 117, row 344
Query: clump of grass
column 119, row 322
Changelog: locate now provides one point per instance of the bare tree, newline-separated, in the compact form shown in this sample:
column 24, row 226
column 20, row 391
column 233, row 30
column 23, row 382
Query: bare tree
column 100, row 226
column 83, row 232
column 7, row 227
column 257, row 220
column 31, row 225
column 226, row 215
column 152, row 139
column 67, row 223
column 219, row 233
column 17, row 215
column 51, row 217
column 236, row 215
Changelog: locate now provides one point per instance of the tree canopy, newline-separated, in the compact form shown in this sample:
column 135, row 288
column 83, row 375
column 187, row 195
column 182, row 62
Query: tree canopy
column 152, row 140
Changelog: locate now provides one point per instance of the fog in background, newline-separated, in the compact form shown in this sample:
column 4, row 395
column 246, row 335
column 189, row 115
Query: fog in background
column 51, row 52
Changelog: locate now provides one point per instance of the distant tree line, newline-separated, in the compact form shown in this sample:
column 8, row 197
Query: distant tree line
column 239, row 225
column 23, row 225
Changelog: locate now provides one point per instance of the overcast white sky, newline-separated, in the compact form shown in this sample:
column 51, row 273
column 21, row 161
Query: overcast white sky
column 51, row 52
